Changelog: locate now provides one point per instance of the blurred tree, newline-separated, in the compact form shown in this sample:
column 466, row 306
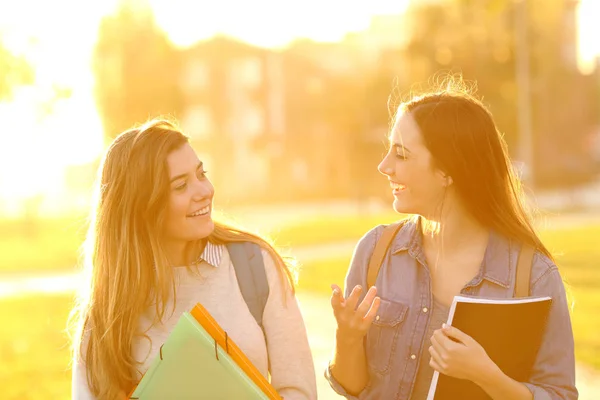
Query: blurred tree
column 14, row 71
column 136, row 69
column 471, row 37
column 479, row 39
column 55, row 95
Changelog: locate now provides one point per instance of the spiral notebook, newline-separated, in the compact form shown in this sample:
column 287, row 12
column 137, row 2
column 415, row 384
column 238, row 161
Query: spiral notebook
column 510, row 331
column 199, row 361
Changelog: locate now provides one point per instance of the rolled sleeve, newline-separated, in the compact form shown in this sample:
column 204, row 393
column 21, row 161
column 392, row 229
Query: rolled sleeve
column 339, row 389
column 538, row 393
column 553, row 375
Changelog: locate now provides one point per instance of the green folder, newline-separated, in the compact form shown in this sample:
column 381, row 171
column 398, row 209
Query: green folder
column 191, row 366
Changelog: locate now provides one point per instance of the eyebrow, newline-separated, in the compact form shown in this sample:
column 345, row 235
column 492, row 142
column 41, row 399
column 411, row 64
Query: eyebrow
column 173, row 179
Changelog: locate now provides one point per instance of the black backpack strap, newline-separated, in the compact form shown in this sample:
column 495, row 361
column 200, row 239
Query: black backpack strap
column 251, row 276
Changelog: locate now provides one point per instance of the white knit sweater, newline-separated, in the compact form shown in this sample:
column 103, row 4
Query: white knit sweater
column 285, row 355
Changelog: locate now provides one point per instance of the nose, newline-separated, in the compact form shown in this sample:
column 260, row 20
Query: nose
column 203, row 190
column 386, row 167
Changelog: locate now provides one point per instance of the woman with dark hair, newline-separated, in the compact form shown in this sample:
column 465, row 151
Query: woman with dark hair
column 447, row 165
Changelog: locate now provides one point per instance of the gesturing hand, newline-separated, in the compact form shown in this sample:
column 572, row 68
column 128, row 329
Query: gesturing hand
column 354, row 322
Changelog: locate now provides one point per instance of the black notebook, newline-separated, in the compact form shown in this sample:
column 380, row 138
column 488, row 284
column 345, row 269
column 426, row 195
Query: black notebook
column 510, row 331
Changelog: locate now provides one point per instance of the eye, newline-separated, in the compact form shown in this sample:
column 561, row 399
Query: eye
column 400, row 154
column 181, row 187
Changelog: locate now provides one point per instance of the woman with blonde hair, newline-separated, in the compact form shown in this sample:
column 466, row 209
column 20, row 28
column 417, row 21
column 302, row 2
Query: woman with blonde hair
column 153, row 251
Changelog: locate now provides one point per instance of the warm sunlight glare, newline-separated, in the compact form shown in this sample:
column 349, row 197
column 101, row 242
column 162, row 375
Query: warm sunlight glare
column 46, row 134
column 270, row 23
column 589, row 34
column 45, row 131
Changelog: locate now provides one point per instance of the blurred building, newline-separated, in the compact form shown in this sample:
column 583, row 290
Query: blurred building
column 310, row 121
column 227, row 87
column 564, row 103
column 259, row 120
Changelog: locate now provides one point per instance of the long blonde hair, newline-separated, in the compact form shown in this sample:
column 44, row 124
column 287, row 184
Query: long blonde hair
column 126, row 268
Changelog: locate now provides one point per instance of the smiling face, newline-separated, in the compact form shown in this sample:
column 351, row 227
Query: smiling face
column 190, row 198
column 418, row 187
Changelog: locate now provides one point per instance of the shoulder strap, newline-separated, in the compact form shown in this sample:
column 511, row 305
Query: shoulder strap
column 523, row 272
column 251, row 276
column 381, row 248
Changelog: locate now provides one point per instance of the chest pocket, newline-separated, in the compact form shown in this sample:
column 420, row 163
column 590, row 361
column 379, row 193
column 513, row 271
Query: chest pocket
column 383, row 334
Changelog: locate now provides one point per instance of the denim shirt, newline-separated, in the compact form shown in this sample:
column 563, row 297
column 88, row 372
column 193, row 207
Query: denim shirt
column 396, row 337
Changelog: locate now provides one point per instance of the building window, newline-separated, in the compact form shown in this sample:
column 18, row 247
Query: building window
column 254, row 121
column 250, row 72
column 246, row 121
column 197, row 122
column 195, row 77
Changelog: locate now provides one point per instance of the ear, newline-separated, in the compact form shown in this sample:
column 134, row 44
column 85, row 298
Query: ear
column 446, row 179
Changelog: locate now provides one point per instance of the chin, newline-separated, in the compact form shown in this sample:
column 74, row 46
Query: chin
column 402, row 208
column 204, row 231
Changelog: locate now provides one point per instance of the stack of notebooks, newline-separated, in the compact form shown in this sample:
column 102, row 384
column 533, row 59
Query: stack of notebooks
column 199, row 361
column 510, row 331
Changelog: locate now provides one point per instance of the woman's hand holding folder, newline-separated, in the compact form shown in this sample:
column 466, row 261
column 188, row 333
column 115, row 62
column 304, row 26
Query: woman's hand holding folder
column 456, row 354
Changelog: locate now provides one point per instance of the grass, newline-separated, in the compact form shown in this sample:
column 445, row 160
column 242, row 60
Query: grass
column 53, row 244
column 318, row 276
column 33, row 348
column 40, row 245
column 330, row 229
column 577, row 253
column 578, row 257
column 35, row 359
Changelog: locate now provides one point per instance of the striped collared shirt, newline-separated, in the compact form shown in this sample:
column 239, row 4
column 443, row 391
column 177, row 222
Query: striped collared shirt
column 213, row 253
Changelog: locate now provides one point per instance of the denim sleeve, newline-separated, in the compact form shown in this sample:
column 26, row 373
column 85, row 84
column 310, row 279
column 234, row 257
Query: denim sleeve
column 553, row 376
column 357, row 275
column 339, row 389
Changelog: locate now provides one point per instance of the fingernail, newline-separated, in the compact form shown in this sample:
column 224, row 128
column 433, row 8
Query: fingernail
column 444, row 326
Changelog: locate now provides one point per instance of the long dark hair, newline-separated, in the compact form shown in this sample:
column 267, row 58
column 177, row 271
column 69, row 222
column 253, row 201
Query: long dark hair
column 460, row 133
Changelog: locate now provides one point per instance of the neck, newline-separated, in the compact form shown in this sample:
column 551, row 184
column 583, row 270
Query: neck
column 454, row 228
column 181, row 253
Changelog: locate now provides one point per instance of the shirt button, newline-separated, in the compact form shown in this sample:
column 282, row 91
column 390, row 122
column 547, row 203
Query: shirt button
column 377, row 318
column 425, row 309
column 413, row 357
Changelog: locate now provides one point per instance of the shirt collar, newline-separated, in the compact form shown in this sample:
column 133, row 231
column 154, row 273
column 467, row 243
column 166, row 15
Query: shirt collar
column 213, row 253
column 497, row 261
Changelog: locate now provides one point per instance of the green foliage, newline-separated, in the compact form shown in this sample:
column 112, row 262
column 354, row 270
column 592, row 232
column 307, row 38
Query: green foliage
column 136, row 70
column 14, row 71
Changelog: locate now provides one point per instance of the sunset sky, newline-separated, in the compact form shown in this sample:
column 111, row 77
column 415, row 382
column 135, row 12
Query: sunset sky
column 59, row 36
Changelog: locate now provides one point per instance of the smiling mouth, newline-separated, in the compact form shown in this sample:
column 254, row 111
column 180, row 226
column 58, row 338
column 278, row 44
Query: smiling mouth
column 397, row 186
column 200, row 212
